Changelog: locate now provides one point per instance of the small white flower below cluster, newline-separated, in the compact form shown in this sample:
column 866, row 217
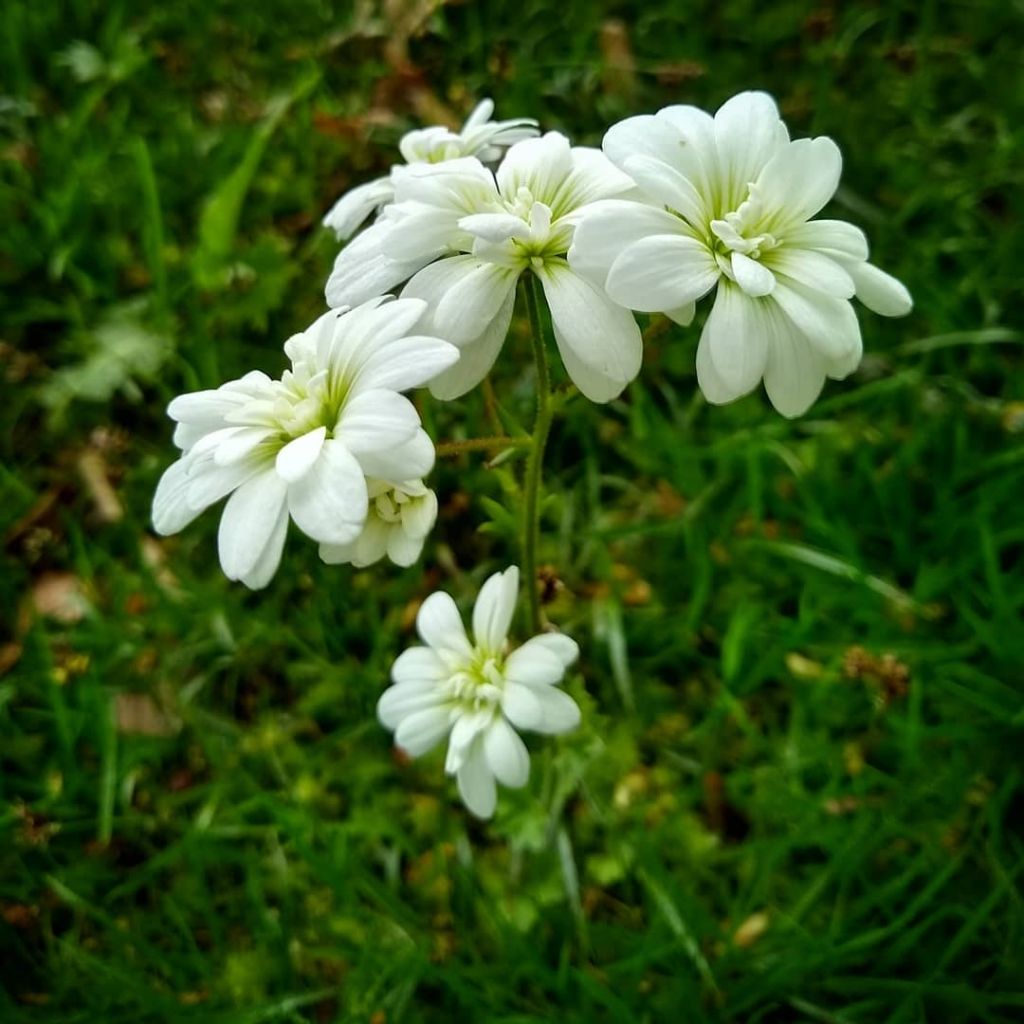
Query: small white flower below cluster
column 315, row 446
column 480, row 137
column 477, row 693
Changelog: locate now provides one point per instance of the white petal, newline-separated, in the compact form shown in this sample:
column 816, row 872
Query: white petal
column 419, row 517
column 408, row 461
column 599, row 341
column 209, row 482
column 372, row 544
column 538, row 164
column 683, row 315
column 813, row 270
column 206, row 408
column 248, row 523
column 697, row 159
column 494, row 608
column 736, row 335
column 563, row 647
column 241, row 444
column 593, row 178
column 270, row 558
column 407, row 363
column 506, row 754
column 480, row 114
column 440, row 625
column 746, row 137
column 402, row 549
column 495, row 227
column 376, row 420
column 608, row 227
column 459, row 186
column 338, row 554
column 879, row 291
column 467, row 727
column 752, row 276
column 662, row 272
column 476, row 784
column 795, row 373
column 419, row 231
column 171, row 509
column 347, row 340
column 362, row 270
column 464, row 294
column 829, row 235
column 544, row 709
column 664, row 184
column 709, row 380
column 296, row 458
column 643, row 135
column 798, row 181
column 356, row 205
column 475, row 358
column 399, row 702
column 329, row 503
column 534, row 663
column 420, row 731
column 418, row 665
column 829, row 324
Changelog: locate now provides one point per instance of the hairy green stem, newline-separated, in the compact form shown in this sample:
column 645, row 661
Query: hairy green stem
column 480, row 444
column 535, row 459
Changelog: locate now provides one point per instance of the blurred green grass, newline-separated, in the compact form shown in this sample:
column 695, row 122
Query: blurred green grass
column 797, row 793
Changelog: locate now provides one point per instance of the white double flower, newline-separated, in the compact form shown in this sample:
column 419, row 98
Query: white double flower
column 310, row 446
column 480, row 137
column 728, row 203
column 462, row 236
column 477, row 692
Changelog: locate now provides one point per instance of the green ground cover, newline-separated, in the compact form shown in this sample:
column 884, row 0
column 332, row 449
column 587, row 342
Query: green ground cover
column 797, row 794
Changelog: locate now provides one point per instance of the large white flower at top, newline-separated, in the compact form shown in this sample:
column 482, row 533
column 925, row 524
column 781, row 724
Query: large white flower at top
column 303, row 446
column 462, row 236
column 480, row 137
column 733, row 199
column 477, row 693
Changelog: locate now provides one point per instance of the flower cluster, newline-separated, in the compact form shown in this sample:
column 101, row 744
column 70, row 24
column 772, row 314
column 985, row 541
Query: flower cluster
column 675, row 206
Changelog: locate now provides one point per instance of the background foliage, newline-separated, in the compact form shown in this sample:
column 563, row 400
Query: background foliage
column 797, row 795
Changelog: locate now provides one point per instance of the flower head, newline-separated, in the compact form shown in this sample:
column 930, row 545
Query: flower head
column 731, row 202
column 462, row 236
column 477, row 693
column 400, row 517
column 302, row 447
column 480, row 137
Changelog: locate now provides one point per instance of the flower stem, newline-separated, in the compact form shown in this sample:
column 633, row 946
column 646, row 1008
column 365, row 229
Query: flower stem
column 535, row 458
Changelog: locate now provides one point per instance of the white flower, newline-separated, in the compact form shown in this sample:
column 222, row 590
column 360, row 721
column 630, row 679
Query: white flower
column 732, row 201
column 480, row 137
column 464, row 235
column 303, row 446
column 400, row 517
column 478, row 693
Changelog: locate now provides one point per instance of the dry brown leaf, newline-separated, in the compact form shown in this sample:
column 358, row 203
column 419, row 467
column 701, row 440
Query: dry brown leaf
column 58, row 595
column 139, row 714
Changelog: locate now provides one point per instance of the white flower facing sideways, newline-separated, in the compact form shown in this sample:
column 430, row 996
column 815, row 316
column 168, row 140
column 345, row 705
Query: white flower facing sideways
column 732, row 201
column 477, row 693
column 312, row 446
column 462, row 236
column 400, row 517
column 480, row 137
